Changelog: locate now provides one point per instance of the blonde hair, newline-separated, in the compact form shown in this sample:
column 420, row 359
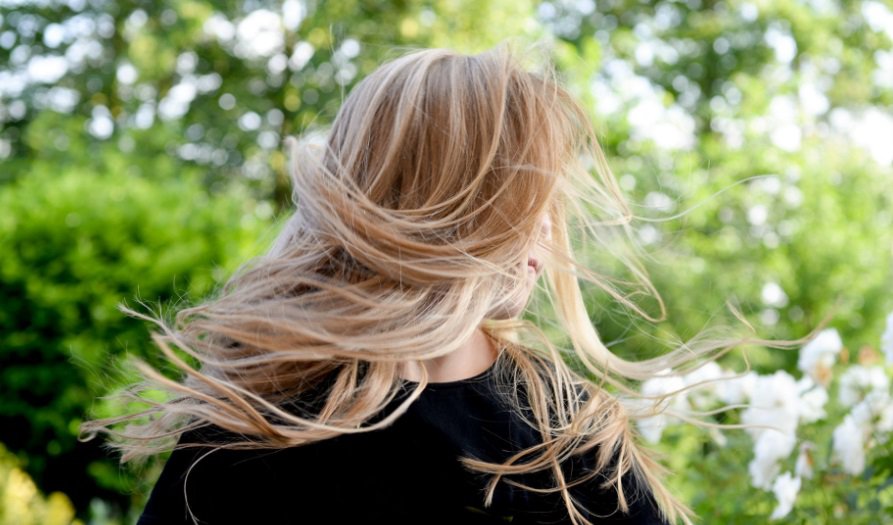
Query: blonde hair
column 410, row 225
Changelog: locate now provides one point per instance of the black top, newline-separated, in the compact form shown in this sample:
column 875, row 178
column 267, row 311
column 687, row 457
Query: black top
column 407, row 473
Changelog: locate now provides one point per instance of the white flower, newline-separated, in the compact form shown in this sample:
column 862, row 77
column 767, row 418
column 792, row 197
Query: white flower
column 775, row 402
column 875, row 412
column 770, row 448
column 709, row 370
column 701, row 396
column 653, row 425
column 848, row 445
column 812, row 400
column 737, row 390
column 664, row 383
column 858, row 381
column 884, row 422
column 803, row 468
column 785, row 488
column 887, row 339
column 819, row 355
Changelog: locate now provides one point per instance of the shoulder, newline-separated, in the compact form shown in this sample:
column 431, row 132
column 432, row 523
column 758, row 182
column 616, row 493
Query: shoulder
column 225, row 485
column 207, row 481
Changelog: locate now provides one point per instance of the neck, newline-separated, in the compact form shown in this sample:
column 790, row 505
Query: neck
column 475, row 355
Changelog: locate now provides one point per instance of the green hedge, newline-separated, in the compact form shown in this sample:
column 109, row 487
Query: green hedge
column 75, row 244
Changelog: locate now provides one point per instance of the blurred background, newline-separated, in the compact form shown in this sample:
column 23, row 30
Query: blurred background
column 141, row 158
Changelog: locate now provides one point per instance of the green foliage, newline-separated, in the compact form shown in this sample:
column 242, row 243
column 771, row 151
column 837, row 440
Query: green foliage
column 738, row 209
column 75, row 245
column 810, row 223
column 172, row 43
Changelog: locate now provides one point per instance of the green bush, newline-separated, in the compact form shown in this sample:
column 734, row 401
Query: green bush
column 76, row 244
column 825, row 458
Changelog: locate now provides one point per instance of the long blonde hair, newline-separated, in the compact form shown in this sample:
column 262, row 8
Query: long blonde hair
column 410, row 225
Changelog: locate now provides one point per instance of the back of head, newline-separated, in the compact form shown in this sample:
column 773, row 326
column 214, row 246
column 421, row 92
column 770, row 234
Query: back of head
column 412, row 224
column 435, row 171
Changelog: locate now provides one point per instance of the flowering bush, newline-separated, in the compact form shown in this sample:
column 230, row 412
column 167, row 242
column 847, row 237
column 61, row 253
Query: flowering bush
column 820, row 444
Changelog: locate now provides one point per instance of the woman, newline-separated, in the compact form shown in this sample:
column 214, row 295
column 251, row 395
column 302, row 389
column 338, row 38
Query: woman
column 373, row 367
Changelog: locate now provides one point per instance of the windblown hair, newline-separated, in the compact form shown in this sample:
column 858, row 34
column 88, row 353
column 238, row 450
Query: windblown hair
column 412, row 223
